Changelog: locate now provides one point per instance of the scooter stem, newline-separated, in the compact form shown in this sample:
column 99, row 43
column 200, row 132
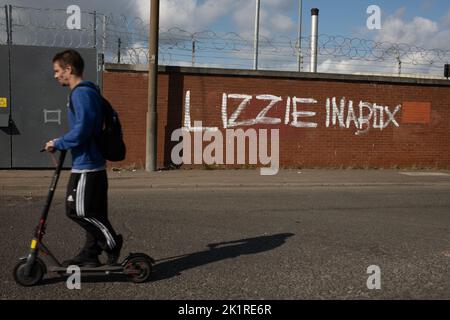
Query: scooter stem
column 40, row 230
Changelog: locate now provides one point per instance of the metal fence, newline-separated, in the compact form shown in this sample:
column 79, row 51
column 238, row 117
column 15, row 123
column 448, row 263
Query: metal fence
column 125, row 40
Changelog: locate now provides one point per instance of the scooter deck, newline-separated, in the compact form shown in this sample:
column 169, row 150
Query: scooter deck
column 103, row 268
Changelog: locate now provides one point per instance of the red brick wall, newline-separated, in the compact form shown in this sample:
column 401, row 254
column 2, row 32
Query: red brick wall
column 422, row 138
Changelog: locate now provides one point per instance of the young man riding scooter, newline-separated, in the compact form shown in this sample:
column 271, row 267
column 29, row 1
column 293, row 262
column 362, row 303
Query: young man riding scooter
column 87, row 191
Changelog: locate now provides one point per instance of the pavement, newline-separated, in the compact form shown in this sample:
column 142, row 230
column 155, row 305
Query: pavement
column 233, row 234
column 38, row 181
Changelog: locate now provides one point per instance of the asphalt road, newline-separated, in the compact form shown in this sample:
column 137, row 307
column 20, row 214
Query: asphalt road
column 312, row 239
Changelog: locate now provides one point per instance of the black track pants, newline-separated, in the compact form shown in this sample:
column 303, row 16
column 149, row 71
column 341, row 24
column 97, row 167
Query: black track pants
column 87, row 205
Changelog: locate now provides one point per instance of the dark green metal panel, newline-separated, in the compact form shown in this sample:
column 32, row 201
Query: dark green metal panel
column 5, row 109
column 39, row 105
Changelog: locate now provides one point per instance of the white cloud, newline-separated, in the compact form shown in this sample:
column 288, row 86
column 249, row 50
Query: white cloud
column 411, row 36
column 352, row 66
column 377, row 68
column 274, row 20
column 417, row 32
column 281, row 23
column 276, row 23
column 408, row 35
column 281, row 5
column 244, row 18
column 196, row 15
column 192, row 15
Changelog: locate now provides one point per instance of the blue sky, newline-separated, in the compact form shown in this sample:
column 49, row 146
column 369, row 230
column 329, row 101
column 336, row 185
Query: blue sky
column 346, row 17
column 337, row 17
column 421, row 23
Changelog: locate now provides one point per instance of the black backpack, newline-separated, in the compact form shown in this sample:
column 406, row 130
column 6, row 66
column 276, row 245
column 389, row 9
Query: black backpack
column 110, row 140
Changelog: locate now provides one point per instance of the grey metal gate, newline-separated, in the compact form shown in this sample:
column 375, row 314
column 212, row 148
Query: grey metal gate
column 38, row 103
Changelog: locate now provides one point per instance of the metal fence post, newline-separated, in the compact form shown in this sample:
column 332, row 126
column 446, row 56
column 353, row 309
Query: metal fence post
column 95, row 29
column 10, row 25
column 256, row 39
column 118, row 50
column 7, row 24
column 193, row 51
column 104, row 35
column 299, row 52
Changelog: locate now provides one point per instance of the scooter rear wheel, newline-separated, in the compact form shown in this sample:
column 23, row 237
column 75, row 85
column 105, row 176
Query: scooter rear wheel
column 36, row 274
column 139, row 269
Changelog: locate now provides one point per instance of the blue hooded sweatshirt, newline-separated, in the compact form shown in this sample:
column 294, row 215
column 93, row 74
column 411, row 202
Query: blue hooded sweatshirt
column 85, row 122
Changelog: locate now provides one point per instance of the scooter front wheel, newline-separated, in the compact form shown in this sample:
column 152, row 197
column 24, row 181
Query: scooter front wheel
column 35, row 276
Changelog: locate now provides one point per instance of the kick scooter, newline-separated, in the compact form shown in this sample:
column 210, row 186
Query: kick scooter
column 31, row 269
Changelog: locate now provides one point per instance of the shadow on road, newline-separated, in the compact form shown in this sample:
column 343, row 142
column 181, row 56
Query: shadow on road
column 217, row 252
column 170, row 267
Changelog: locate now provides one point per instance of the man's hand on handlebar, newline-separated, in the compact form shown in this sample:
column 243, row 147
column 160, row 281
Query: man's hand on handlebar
column 50, row 147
